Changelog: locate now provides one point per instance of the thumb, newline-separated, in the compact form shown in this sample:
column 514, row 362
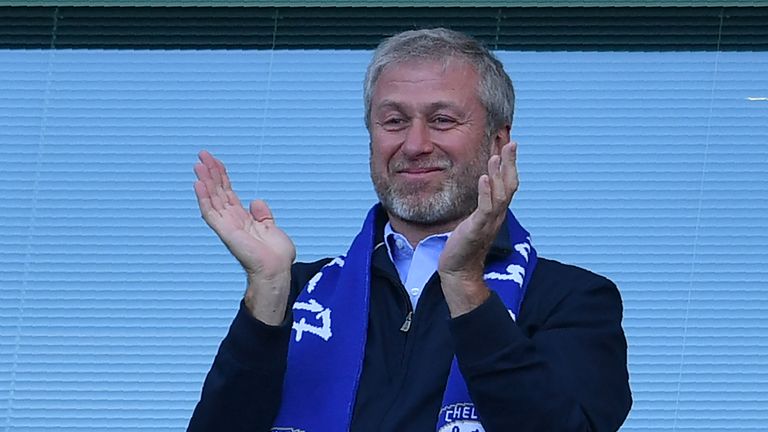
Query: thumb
column 260, row 211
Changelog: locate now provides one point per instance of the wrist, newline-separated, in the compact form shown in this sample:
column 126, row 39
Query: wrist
column 267, row 298
column 463, row 293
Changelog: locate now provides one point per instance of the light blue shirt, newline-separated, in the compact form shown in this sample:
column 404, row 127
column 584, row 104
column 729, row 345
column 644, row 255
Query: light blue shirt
column 415, row 266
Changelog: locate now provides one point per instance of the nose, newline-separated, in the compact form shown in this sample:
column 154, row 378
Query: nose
column 417, row 140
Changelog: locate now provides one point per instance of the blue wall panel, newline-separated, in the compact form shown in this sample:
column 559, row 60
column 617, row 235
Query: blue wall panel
column 647, row 167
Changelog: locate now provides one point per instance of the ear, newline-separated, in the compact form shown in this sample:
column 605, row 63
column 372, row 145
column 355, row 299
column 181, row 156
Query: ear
column 500, row 138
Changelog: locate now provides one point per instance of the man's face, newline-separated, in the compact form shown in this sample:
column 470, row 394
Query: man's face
column 428, row 141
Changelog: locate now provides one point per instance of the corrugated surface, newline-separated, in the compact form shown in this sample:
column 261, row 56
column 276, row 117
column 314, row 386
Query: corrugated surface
column 390, row 3
column 536, row 29
column 652, row 168
column 649, row 167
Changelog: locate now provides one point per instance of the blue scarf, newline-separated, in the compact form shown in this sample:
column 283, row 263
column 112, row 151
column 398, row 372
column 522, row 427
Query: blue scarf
column 325, row 354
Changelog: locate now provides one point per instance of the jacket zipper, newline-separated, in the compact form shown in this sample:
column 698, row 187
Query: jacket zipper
column 407, row 324
column 409, row 307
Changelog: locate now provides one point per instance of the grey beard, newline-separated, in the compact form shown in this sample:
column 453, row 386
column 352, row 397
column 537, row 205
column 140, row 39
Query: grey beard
column 452, row 202
column 456, row 199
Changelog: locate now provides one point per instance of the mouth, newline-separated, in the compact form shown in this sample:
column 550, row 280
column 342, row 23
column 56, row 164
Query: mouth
column 419, row 171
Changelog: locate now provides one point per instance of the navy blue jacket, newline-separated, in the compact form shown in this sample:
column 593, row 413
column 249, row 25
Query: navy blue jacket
column 560, row 367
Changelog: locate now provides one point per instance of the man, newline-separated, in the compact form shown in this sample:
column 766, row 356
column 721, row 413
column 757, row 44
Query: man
column 486, row 337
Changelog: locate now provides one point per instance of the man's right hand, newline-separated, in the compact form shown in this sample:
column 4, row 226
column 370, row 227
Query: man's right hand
column 264, row 250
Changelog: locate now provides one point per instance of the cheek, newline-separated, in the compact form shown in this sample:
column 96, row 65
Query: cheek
column 382, row 152
column 465, row 147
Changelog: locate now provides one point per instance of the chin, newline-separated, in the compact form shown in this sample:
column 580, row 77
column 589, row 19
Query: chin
column 425, row 210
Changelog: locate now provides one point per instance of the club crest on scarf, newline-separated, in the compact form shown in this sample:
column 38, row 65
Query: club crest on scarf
column 460, row 417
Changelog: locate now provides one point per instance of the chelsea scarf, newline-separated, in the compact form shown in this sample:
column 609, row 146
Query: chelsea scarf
column 325, row 354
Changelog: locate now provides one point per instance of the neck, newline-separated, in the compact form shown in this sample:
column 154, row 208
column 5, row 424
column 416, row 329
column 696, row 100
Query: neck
column 415, row 233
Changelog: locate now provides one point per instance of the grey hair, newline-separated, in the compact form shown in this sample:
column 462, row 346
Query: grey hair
column 495, row 88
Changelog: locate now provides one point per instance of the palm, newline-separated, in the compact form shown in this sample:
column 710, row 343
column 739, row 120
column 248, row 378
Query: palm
column 461, row 263
column 251, row 235
column 460, row 249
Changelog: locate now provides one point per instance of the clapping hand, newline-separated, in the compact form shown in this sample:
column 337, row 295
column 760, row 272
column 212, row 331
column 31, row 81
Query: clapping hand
column 264, row 250
column 462, row 261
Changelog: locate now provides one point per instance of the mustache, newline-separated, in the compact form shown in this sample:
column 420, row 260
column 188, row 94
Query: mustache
column 402, row 165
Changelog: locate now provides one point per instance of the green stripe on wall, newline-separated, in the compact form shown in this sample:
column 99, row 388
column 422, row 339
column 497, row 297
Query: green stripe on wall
column 524, row 29
column 391, row 3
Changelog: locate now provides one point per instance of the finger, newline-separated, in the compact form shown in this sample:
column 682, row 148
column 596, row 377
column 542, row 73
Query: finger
column 204, row 176
column 261, row 212
column 232, row 197
column 219, row 186
column 509, row 167
column 216, row 172
column 213, row 165
column 498, row 191
column 211, row 190
column 203, row 199
column 206, row 159
column 204, row 171
column 223, row 187
column 201, row 172
column 224, row 176
column 484, row 201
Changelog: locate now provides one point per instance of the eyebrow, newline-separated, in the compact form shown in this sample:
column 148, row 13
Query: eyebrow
column 434, row 106
column 389, row 103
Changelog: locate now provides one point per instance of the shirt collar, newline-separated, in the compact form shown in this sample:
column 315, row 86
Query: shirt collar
column 397, row 244
column 500, row 247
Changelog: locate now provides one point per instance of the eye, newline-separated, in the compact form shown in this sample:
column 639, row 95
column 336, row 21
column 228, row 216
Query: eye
column 393, row 123
column 442, row 122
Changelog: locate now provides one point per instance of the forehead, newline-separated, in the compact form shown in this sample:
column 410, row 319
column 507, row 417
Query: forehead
column 426, row 81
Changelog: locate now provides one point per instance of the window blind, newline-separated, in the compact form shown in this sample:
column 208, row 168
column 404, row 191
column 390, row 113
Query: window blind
column 644, row 164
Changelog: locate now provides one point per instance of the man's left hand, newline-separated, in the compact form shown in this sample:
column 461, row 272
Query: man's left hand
column 462, row 261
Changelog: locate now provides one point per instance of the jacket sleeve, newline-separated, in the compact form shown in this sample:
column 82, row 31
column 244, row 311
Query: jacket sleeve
column 243, row 388
column 567, row 372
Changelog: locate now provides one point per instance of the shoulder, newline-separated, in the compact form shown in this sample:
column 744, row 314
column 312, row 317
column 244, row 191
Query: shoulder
column 556, row 287
column 564, row 276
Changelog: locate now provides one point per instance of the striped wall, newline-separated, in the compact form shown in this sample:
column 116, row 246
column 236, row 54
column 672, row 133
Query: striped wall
column 647, row 164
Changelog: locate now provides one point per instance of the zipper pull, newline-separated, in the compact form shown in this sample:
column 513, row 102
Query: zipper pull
column 407, row 324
